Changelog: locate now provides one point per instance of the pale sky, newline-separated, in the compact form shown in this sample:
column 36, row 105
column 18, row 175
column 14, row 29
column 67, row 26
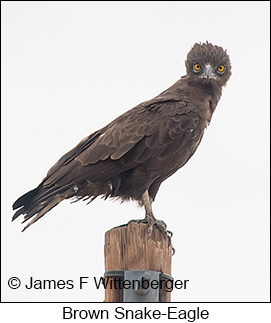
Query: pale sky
column 69, row 68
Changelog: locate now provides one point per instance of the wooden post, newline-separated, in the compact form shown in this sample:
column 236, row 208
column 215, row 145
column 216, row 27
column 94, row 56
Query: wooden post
column 127, row 247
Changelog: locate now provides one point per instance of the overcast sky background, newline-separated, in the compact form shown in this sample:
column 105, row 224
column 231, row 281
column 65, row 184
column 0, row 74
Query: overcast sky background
column 69, row 68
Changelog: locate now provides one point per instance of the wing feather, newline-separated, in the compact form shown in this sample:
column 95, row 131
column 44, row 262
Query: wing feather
column 142, row 133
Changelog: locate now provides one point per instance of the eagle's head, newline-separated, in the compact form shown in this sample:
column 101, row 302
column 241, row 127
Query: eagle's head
column 207, row 63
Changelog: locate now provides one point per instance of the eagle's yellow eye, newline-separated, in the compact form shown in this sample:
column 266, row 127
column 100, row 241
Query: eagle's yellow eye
column 197, row 67
column 221, row 68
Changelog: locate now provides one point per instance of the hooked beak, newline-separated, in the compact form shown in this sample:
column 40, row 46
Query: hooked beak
column 208, row 72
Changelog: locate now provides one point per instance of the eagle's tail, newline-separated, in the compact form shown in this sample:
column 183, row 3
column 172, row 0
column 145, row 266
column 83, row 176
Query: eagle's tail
column 39, row 201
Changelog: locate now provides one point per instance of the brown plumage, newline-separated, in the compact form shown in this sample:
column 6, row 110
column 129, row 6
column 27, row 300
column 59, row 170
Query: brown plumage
column 131, row 156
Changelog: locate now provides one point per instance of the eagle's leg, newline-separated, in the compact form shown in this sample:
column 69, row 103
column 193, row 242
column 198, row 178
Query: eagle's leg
column 150, row 219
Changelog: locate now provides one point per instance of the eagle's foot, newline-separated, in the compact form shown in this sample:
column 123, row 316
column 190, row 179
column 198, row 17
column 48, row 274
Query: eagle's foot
column 151, row 220
column 160, row 225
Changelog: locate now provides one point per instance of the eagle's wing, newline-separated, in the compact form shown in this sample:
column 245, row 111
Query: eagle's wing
column 144, row 132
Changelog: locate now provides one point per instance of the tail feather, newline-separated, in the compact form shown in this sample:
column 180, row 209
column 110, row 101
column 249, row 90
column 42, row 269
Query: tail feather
column 26, row 198
column 40, row 214
column 17, row 213
column 39, row 201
